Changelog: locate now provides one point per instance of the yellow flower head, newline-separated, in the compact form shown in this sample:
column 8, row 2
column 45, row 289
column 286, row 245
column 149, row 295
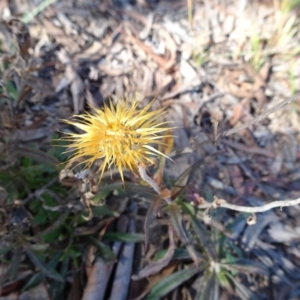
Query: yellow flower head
column 121, row 136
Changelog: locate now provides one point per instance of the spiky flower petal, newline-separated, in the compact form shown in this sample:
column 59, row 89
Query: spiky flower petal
column 121, row 136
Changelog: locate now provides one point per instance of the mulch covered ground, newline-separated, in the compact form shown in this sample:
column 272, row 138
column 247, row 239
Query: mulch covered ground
column 214, row 65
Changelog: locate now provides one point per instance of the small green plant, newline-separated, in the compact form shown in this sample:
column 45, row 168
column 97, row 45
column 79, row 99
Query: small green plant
column 221, row 264
column 200, row 58
column 257, row 57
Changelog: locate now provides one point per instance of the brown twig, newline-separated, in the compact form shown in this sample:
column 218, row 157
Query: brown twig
column 251, row 150
column 261, row 116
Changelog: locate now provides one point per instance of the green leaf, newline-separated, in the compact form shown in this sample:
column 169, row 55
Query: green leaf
column 242, row 291
column 15, row 263
column 169, row 283
column 56, row 225
column 209, row 289
column 179, row 254
column 34, row 280
column 179, row 226
column 48, row 272
column 246, row 266
column 39, row 277
column 103, row 210
column 202, row 233
column 57, row 288
column 12, row 91
column 52, row 236
column 228, row 246
column 223, row 279
column 124, row 237
column 41, row 218
column 105, row 251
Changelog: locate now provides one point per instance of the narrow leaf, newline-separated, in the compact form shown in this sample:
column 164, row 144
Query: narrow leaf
column 124, row 237
column 167, row 284
column 34, row 280
column 105, row 251
column 181, row 231
column 59, row 221
column 210, row 288
column 57, row 288
column 202, row 233
column 242, row 291
column 179, row 254
column 49, row 272
column 246, row 266
column 156, row 266
column 38, row 277
column 103, row 210
column 15, row 264
column 150, row 217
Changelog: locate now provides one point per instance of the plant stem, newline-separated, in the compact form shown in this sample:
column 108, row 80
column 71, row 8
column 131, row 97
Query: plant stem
column 255, row 209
